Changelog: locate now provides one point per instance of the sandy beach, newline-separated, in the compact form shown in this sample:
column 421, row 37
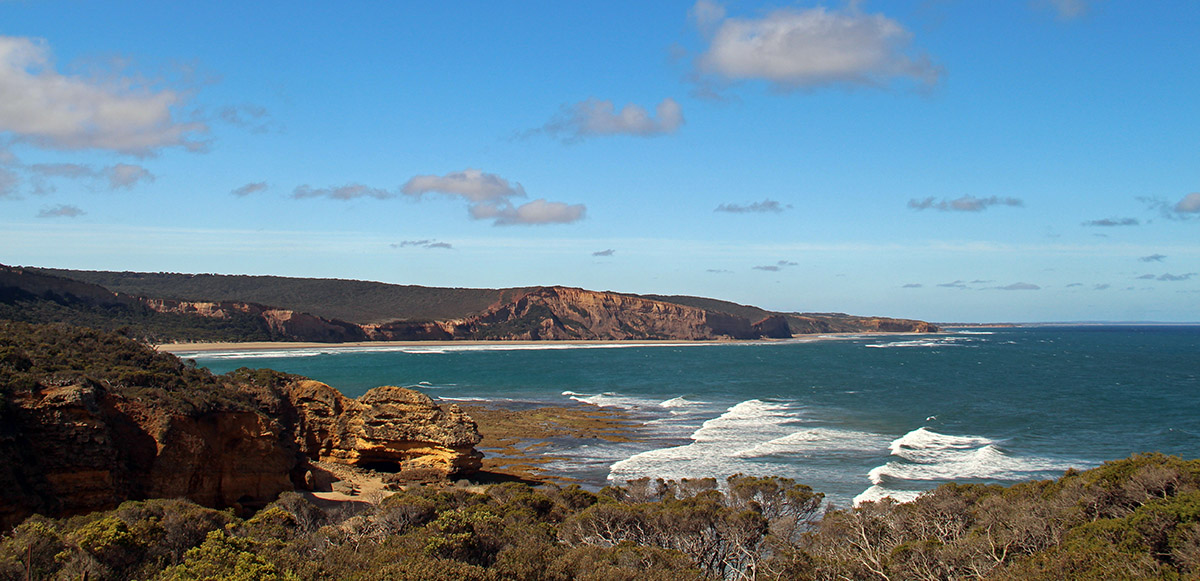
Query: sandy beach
column 296, row 345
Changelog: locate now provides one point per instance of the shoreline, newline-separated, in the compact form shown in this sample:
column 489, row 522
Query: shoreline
column 206, row 347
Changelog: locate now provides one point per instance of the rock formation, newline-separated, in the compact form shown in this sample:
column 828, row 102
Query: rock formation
column 390, row 429
column 562, row 313
column 88, row 420
column 77, row 448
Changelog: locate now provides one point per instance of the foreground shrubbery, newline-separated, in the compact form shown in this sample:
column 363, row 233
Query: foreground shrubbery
column 1133, row 519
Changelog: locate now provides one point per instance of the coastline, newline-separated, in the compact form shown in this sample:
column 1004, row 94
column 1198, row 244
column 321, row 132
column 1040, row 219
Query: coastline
column 205, row 347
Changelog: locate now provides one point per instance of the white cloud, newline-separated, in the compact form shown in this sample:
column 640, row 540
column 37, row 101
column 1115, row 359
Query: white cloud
column 812, row 48
column 251, row 188
column 963, row 204
column 1190, row 204
column 8, row 183
column 764, row 206
column 423, row 244
column 595, row 117
column 1019, row 286
column 472, row 184
column 1109, row 222
column 1068, row 9
column 61, row 211
column 126, row 176
column 347, row 192
column 490, row 196
column 536, row 212
column 42, row 107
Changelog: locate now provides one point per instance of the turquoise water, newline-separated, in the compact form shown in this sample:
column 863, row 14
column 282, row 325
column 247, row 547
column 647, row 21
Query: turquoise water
column 857, row 418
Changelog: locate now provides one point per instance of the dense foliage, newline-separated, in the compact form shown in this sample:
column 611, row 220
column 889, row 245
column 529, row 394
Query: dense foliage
column 136, row 319
column 348, row 300
column 1137, row 518
column 36, row 356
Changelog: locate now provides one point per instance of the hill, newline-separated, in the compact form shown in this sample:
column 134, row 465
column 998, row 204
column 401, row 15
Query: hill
column 167, row 307
column 354, row 301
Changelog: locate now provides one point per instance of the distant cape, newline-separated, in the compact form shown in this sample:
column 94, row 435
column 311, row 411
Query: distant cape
column 171, row 307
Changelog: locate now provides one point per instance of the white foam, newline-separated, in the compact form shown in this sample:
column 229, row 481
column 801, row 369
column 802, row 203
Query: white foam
column 715, row 445
column 817, row 440
column 611, row 399
column 877, row 493
column 926, row 455
column 927, row 342
column 680, row 402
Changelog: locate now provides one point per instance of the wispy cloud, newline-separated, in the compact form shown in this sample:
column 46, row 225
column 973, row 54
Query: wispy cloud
column 607, row 252
column 423, row 244
column 1186, row 208
column 596, row 117
column 125, row 176
column 1017, row 286
column 959, row 284
column 252, row 117
column 119, row 176
column 8, row 183
column 913, row 285
column 1107, row 222
column 1068, row 9
column 73, row 113
column 346, row 192
column 252, row 188
column 1101, row 287
column 778, row 266
column 1168, row 277
column 963, row 204
column 61, row 211
column 1152, row 258
column 763, row 207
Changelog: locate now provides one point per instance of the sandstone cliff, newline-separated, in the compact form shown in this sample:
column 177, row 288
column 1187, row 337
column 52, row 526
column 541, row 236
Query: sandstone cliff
column 89, row 419
column 561, row 313
column 282, row 323
column 539, row 313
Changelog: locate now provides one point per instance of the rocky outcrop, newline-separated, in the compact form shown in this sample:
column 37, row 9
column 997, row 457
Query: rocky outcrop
column 89, row 420
column 390, row 429
column 811, row 323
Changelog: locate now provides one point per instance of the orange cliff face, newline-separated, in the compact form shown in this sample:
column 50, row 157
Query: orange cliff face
column 562, row 313
column 76, row 448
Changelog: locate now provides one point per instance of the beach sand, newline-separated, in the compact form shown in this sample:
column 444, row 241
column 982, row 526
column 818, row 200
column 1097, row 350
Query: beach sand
column 294, row 345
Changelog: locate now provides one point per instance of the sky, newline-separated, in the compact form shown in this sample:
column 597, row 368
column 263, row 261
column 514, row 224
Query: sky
column 947, row 160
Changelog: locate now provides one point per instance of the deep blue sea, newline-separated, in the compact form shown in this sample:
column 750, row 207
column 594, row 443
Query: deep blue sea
column 855, row 418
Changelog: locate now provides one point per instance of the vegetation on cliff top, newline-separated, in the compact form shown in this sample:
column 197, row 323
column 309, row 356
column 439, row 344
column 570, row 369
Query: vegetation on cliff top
column 1137, row 518
column 355, row 301
column 40, row 356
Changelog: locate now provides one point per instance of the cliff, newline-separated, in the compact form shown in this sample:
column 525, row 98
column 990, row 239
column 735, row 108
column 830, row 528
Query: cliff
column 89, row 419
column 561, row 313
column 531, row 314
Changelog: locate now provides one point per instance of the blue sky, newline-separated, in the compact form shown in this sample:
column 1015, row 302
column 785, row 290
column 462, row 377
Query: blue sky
column 950, row 160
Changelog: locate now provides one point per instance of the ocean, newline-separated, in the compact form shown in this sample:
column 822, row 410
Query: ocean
column 857, row 418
